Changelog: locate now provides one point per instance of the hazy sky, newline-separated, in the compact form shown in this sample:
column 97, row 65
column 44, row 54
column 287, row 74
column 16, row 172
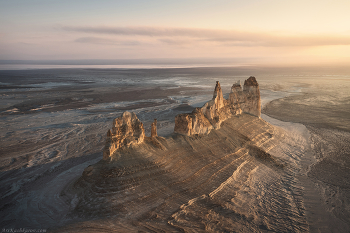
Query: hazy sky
column 249, row 31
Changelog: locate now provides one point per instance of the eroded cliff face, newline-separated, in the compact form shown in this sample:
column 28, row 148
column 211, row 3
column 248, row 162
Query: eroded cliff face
column 228, row 179
column 127, row 130
column 213, row 113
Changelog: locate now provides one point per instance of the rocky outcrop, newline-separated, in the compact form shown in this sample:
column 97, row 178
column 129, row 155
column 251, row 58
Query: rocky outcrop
column 215, row 109
column 218, row 98
column 234, row 179
column 221, row 182
column 213, row 113
column 192, row 123
column 126, row 131
column 251, row 102
column 248, row 98
column 154, row 129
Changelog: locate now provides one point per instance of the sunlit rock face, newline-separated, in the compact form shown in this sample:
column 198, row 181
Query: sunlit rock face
column 154, row 129
column 126, row 131
column 192, row 123
column 217, row 110
column 248, row 98
column 221, row 171
column 218, row 97
column 225, row 181
column 251, row 103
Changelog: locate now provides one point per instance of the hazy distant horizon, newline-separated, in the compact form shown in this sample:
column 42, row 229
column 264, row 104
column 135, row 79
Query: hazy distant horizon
column 169, row 61
column 154, row 63
column 221, row 32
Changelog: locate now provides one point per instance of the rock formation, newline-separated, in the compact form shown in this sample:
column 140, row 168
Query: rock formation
column 231, row 180
column 154, row 129
column 192, row 123
column 250, row 100
column 226, row 181
column 213, row 113
column 128, row 129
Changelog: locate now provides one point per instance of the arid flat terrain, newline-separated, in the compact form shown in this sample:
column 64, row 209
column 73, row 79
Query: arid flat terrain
column 285, row 172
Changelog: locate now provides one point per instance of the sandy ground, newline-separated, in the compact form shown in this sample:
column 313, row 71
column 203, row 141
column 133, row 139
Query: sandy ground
column 319, row 197
column 38, row 202
column 324, row 110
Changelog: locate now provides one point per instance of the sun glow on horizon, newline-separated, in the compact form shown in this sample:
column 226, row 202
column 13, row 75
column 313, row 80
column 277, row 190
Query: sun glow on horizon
column 259, row 32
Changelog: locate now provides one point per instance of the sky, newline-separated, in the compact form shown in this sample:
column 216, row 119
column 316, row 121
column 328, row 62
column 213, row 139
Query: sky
column 239, row 32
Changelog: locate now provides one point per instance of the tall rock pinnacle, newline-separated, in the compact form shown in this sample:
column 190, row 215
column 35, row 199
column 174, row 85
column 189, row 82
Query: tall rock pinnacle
column 218, row 97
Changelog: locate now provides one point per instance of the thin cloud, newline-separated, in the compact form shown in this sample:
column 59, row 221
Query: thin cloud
column 226, row 37
column 146, row 31
column 98, row 40
column 178, row 42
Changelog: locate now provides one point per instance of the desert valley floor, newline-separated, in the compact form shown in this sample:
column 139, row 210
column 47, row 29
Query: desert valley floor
column 284, row 172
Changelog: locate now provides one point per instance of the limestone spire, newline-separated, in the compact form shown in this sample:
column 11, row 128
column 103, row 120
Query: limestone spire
column 218, row 97
column 154, row 129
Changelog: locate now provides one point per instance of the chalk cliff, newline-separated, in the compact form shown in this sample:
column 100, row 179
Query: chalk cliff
column 213, row 113
column 128, row 130
column 190, row 184
column 228, row 180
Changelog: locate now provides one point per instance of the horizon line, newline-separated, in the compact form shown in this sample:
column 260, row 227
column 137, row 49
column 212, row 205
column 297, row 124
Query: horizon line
column 192, row 62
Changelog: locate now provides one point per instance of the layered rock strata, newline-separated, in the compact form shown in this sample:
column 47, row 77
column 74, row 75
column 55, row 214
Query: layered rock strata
column 127, row 130
column 231, row 180
column 226, row 181
column 213, row 113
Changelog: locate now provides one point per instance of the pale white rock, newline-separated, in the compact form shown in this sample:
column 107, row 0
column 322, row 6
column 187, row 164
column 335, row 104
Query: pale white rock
column 126, row 131
column 217, row 110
